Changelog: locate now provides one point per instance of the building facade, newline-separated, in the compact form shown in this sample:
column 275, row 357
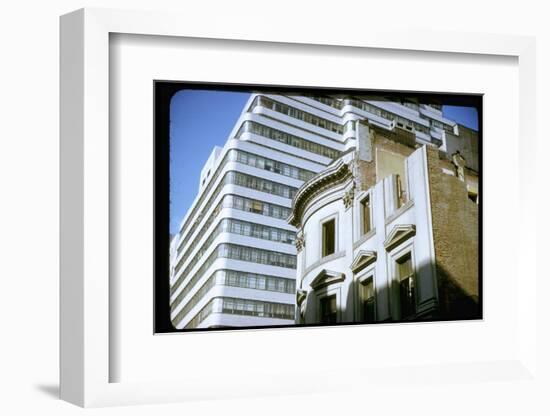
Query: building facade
column 234, row 260
column 388, row 232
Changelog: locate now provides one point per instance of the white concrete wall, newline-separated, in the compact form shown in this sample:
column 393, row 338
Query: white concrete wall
column 209, row 167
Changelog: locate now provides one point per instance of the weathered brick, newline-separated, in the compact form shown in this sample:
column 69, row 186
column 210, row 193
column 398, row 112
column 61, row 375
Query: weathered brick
column 456, row 241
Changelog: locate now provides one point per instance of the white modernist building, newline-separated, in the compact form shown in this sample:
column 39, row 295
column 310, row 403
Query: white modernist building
column 233, row 261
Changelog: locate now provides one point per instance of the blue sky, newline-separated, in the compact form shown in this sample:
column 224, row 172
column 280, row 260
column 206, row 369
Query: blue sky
column 200, row 120
column 466, row 116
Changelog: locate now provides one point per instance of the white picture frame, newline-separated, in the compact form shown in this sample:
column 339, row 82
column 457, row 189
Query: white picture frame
column 86, row 305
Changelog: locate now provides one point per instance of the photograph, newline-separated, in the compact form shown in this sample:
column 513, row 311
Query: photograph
column 238, row 207
column 279, row 207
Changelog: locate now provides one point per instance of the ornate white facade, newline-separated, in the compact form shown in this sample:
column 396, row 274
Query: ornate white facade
column 376, row 261
column 364, row 261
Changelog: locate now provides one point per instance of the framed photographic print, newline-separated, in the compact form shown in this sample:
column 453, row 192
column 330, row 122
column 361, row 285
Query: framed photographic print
column 384, row 185
column 286, row 213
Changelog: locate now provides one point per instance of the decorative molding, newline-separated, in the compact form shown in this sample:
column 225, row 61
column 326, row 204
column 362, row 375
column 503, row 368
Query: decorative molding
column 326, row 278
column 334, row 175
column 323, row 261
column 399, row 211
column 300, row 243
column 366, row 279
column 399, row 234
column 364, row 238
column 362, row 260
column 348, row 198
column 328, row 197
column 300, row 296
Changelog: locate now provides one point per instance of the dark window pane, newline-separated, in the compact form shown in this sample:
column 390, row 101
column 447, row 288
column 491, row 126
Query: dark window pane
column 328, row 238
column 328, row 310
column 365, row 208
column 368, row 310
column 407, row 290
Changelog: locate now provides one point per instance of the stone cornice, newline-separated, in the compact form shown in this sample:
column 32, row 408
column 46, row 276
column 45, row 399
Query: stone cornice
column 333, row 175
column 362, row 260
column 326, row 278
column 399, row 234
column 399, row 211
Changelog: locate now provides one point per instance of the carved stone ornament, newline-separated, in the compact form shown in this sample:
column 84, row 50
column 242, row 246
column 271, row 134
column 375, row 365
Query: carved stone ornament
column 348, row 198
column 398, row 235
column 326, row 278
column 362, row 260
column 459, row 162
column 300, row 243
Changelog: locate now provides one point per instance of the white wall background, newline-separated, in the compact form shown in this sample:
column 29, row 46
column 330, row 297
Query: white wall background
column 29, row 188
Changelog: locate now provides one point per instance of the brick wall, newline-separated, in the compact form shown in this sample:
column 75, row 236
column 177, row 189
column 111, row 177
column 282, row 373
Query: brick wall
column 455, row 229
column 386, row 140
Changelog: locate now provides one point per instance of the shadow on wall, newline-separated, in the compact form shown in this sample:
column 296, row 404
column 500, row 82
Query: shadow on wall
column 456, row 301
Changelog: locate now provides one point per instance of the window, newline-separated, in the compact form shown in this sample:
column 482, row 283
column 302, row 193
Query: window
column 257, row 207
column 401, row 195
column 327, row 309
column 301, row 115
column 390, row 163
column 329, row 237
column 367, row 300
column 232, row 279
column 288, row 139
column 261, row 282
column 257, row 308
column 366, row 224
column 237, row 227
column 407, row 289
